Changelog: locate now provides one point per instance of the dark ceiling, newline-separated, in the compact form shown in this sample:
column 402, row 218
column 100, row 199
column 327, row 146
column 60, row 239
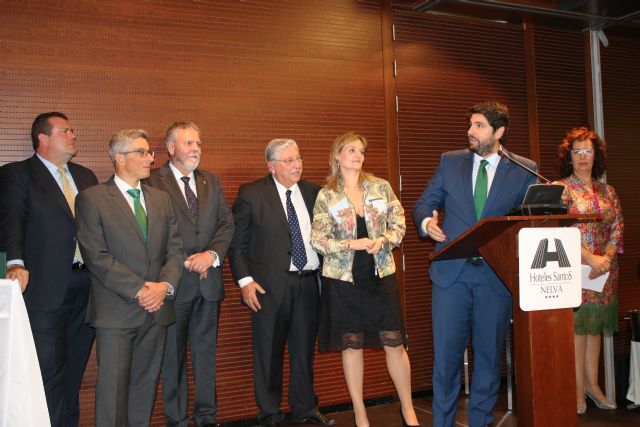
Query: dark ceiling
column 612, row 16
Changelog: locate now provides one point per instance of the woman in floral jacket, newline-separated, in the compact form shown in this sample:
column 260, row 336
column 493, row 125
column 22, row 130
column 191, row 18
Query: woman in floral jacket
column 357, row 221
column 582, row 162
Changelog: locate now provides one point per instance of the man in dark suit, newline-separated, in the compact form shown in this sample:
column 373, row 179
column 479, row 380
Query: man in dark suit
column 129, row 238
column 39, row 235
column 466, row 294
column 206, row 228
column 273, row 262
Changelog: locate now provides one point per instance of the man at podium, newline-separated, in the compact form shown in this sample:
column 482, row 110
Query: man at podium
column 467, row 296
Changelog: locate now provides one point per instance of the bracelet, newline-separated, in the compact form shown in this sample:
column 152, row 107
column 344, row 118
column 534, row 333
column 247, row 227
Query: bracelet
column 348, row 244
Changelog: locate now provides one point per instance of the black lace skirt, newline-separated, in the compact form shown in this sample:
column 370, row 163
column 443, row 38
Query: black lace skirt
column 360, row 315
column 366, row 313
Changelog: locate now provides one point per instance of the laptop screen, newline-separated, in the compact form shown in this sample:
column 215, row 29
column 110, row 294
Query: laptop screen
column 543, row 194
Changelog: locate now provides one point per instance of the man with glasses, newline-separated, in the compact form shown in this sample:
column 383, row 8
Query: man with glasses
column 276, row 268
column 38, row 234
column 129, row 238
column 206, row 228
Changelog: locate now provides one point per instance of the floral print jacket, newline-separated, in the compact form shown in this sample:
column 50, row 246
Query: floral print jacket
column 596, row 235
column 334, row 224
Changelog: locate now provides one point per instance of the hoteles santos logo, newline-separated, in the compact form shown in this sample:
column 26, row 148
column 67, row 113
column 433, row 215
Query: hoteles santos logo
column 543, row 255
column 549, row 268
column 550, row 276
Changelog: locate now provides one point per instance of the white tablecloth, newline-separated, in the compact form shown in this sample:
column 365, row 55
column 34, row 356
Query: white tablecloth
column 633, row 394
column 22, row 400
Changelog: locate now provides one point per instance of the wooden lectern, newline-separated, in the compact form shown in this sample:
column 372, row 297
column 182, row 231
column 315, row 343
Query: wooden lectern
column 543, row 340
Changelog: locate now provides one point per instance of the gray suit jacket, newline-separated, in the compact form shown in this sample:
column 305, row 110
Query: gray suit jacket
column 119, row 259
column 213, row 232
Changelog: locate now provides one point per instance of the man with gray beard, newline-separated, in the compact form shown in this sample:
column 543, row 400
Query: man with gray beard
column 206, row 227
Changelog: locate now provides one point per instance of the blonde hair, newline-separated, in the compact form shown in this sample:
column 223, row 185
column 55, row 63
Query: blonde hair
column 334, row 167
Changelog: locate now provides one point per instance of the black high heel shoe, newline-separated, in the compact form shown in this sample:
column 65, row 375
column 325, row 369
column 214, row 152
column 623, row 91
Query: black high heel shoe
column 404, row 423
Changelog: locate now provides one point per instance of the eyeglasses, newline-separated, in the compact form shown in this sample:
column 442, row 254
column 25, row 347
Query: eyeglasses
column 584, row 151
column 141, row 153
column 290, row 161
column 67, row 131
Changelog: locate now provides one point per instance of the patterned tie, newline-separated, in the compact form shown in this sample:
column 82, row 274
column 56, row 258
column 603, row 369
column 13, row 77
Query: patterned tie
column 192, row 200
column 298, row 253
column 141, row 216
column 480, row 192
column 70, row 195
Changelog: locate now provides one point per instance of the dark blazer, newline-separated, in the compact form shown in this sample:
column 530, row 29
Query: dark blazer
column 451, row 188
column 119, row 259
column 213, row 232
column 261, row 245
column 37, row 226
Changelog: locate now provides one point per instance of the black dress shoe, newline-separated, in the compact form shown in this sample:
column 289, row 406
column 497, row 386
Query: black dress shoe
column 268, row 422
column 318, row 418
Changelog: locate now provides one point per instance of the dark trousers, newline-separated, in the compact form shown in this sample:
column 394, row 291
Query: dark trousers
column 196, row 320
column 129, row 361
column 469, row 305
column 63, row 343
column 294, row 322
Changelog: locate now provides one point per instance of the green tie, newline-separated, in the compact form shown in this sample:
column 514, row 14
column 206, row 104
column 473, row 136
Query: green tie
column 141, row 216
column 480, row 192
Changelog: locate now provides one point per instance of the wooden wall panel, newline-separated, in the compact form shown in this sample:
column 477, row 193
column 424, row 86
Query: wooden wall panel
column 249, row 71
column 620, row 64
column 445, row 65
column 560, row 91
column 244, row 71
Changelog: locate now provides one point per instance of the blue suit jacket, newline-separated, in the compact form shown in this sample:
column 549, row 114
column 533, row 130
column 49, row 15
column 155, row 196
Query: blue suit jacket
column 450, row 189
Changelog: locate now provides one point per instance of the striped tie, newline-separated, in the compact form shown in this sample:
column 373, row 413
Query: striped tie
column 70, row 195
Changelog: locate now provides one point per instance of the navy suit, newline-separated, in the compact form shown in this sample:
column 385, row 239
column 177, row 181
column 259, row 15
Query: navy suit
column 468, row 297
column 37, row 226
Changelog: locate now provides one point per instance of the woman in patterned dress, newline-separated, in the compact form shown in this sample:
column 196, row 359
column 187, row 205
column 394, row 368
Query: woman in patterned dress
column 357, row 221
column 582, row 162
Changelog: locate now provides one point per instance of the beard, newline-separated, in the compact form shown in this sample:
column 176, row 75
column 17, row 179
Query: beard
column 483, row 147
column 189, row 163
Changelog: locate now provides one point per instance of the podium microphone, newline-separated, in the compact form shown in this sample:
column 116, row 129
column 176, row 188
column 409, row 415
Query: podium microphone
column 504, row 153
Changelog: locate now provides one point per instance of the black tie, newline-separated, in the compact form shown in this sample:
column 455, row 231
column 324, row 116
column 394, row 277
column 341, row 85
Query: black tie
column 298, row 253
column 192, row 200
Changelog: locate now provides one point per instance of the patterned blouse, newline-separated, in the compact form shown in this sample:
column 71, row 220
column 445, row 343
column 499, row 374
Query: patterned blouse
column 602, row 200
column 334, row 223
